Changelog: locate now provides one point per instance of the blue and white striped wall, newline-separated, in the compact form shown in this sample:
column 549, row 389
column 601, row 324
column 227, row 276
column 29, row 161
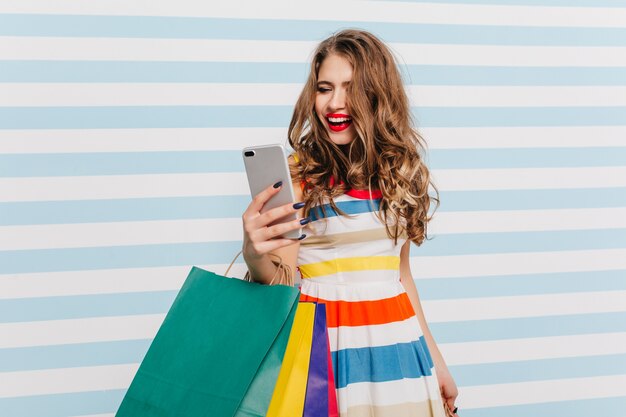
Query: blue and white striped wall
column 120, row 129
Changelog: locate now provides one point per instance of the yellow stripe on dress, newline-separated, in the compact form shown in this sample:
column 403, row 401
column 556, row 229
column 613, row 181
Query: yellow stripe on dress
column 359, row 263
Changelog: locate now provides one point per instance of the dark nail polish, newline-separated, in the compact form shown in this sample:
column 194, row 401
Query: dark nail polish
column 278, row 184
column 305, row 220
column 302, row 237
column 455, row 409
column 298, row 205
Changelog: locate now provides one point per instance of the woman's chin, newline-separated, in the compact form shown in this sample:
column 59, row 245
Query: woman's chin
column 344, row 138
column 342, row 142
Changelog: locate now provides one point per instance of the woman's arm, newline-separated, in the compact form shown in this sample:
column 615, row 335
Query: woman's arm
column 449, row 390
column 409, row 286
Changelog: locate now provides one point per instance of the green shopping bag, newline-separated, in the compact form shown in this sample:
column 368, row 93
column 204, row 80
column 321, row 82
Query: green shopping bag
column 218, row 352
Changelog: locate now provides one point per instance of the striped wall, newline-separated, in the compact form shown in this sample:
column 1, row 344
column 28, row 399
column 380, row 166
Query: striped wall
column 120, row 129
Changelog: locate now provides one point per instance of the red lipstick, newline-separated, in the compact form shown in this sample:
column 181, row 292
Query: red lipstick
column 338, row 125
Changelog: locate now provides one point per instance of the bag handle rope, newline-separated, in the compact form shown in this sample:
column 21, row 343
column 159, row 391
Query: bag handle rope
column 283, row 272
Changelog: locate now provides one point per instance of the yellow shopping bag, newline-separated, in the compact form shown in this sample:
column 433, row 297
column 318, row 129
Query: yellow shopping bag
column 290, row 391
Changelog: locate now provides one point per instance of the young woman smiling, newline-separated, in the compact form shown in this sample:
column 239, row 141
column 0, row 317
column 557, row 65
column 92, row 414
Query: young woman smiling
column 363, row 187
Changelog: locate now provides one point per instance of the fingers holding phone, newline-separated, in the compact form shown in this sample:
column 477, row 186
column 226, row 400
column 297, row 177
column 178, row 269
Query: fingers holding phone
column 264, row 232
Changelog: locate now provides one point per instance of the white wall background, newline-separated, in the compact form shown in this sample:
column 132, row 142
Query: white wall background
column 120, row 129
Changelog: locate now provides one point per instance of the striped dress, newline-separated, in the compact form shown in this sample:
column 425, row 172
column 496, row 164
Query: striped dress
column 382, row 365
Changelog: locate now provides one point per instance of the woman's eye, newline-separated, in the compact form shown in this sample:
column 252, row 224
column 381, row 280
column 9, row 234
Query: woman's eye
column 323, row 90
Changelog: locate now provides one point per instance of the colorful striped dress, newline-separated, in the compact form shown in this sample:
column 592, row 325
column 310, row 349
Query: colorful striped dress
column 382, row 365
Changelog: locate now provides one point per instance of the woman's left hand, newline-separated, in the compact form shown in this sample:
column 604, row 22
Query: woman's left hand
column 448, row 388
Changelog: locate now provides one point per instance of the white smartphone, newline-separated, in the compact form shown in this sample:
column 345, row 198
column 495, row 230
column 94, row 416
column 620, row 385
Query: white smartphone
column 266, row 165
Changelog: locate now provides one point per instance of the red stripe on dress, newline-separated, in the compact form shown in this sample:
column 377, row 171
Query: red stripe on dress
column 361, row 313
column 365, row 194
column 360, row 194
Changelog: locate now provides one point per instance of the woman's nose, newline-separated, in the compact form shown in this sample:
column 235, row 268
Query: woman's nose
column 338, row 100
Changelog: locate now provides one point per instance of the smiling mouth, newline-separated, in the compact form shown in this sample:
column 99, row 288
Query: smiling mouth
column 338, row 122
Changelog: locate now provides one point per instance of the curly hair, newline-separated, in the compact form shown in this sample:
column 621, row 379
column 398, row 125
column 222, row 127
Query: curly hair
column 387, row 153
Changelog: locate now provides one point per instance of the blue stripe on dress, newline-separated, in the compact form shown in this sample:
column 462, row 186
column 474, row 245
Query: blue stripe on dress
column 350, row 207
column 382, row 363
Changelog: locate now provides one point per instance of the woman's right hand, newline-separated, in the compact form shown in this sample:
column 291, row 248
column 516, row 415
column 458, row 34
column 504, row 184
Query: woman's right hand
column 258, row 237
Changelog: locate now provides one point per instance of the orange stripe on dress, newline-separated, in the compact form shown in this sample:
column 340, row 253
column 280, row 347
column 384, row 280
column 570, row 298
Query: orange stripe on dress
column 361, row 313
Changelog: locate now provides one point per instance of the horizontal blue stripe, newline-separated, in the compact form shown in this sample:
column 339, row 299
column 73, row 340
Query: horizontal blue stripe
column 384, row 363
column 185, row 254
column 173, row 208
column 300, row 30
column 575, row 408
column 511, row 242
column 279, row 116
column 271, row 72
column 129, row 163
column 158, row 302
column 545, row 3
column 538, row 370
column 484, row 200
column 519, row 116
column 152, row 72
column 70, row 259
column 63, row 405
column 84, row 306
column 132, row 209
column 137, row 116
column 96, row 402
column 119, row 163
column 526, row 157
column 133, row 351
column 468, row 331
column 520, row 284
column 53, row 308
column 515, row 328
column 74, row 355
column 349, row 207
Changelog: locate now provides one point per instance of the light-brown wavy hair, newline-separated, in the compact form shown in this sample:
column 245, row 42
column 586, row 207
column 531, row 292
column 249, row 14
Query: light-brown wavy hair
column 387, row 153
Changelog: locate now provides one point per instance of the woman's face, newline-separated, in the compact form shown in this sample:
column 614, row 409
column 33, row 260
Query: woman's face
column 331, row 101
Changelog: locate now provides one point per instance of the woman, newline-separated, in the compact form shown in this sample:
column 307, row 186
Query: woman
column 363, row 192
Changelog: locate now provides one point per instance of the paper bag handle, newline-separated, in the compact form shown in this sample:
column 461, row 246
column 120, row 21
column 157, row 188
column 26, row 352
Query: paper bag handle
column 284, row 270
